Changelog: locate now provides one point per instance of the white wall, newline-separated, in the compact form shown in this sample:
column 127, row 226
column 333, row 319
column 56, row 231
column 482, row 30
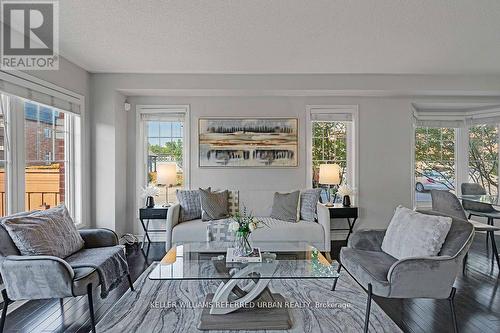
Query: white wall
column 384, row 130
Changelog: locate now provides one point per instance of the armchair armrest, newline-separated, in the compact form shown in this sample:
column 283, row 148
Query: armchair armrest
column 423, row 277
column 367, row 240
column 98, row 237
column 172, row 221
column 324, row 220
column 37, row 277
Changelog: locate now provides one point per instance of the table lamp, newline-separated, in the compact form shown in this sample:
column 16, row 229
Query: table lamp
column 329, row 174
column 166, row 175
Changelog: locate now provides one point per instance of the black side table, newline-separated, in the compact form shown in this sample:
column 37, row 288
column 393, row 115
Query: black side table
column 155, row 213
column 341, row 212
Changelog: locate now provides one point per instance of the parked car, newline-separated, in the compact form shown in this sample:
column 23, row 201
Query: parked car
column 432, row 180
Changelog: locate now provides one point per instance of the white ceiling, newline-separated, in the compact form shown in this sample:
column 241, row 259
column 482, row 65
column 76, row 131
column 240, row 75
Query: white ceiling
column 282, row 36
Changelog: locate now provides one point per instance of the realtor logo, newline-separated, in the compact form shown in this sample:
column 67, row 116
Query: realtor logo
column 30, row 35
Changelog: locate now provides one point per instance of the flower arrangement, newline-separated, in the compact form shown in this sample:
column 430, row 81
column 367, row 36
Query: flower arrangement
column 150, row 191
column 345, row 190
column 243, row 225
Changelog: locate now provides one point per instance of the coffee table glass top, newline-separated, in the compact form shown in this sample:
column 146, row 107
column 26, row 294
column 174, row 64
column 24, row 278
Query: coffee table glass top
column 207, row 261
column 486, row 199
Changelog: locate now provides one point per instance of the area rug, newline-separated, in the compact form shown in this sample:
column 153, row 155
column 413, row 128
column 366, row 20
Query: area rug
column 171, row 306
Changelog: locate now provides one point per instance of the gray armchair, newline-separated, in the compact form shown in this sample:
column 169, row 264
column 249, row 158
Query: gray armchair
column 424, row 277
column 45, row 277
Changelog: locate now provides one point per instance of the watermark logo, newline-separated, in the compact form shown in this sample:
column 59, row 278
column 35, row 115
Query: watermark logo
column 30, row 35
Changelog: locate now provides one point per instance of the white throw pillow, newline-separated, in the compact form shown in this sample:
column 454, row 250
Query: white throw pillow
column 412, row 234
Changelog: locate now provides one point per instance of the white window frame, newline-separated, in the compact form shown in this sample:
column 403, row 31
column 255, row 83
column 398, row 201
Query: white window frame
column 77, row 192
column 352, row 141
column 142, row 149
column 461, row 148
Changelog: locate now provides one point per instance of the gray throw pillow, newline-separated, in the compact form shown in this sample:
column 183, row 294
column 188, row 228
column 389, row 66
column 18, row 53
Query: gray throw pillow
column 412, row 234
column 308, row 202
column 50, row 232
column 286, row 206
column 189, row 200
column 214, row 205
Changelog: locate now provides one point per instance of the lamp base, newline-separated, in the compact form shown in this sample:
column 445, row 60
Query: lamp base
column 329, row 204
column 166, row 205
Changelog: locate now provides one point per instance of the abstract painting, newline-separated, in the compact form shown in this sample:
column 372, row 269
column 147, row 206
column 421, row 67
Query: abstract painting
column 238, row 142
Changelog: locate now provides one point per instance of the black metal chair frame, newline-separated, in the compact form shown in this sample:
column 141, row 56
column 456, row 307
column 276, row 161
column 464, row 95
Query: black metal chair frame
column 369, row 292
column 6, row 302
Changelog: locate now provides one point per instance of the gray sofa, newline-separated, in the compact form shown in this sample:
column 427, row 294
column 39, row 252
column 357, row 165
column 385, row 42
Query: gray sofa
column 425, row 277
column 42, row 277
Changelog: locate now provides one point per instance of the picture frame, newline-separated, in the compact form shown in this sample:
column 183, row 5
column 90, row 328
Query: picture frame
column 257, row 142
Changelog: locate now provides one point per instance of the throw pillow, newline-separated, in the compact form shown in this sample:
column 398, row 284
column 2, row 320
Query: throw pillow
column 233, row 202
column 50, row 232
column 286, row 206
column 189, row 200
column 214, row 205
column 308, row 202
column 412, row 234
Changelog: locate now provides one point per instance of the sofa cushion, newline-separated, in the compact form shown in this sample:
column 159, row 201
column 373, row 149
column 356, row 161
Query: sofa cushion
column 214, row 205
column 282, row 231
column 50, row 232
column 189, row 200
column 368, row 267
column 278, row 231
column 286, row 206
column 413, row 234
column 308, row 203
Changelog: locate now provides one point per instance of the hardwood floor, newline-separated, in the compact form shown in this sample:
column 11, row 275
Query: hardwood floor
column 477, row 301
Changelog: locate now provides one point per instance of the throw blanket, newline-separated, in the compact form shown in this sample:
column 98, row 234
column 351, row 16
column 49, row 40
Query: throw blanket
column 110, row 263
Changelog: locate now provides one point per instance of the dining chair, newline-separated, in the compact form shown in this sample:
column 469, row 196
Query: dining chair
column 447, row 203
column 478, row 208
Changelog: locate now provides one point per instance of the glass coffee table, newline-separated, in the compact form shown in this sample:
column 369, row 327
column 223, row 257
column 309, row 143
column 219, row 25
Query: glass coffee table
column 243, row 299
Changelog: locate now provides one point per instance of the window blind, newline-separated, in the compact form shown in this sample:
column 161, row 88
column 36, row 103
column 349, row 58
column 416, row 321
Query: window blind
column 43, row 95
column 163, row 116
column 457, row 118
column 439, row 119
column 330, row 116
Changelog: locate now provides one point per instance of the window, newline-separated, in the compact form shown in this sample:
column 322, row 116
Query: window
column 329, row 146
column 435, row 162
column 165, row 145
column 454, row 146
column 165, row 141
column 45, row 157
column 331, row 133
column 483, row 157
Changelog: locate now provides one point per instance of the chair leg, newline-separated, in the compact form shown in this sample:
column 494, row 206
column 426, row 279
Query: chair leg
column 6, row 301
column 470, row 215
column 335, row 279
column 490, row 222
column 452, row 309
column 130, row 282
column 91, row 307
column 494, row 248
column 368, row 306
column 464, row 262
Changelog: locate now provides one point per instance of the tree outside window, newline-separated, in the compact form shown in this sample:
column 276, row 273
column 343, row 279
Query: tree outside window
column 483, row 157
column 329, row 145
column 434, row 161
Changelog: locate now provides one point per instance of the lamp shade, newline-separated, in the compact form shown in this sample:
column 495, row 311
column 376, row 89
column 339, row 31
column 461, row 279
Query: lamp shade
column 166, row 173
column 329, row 174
